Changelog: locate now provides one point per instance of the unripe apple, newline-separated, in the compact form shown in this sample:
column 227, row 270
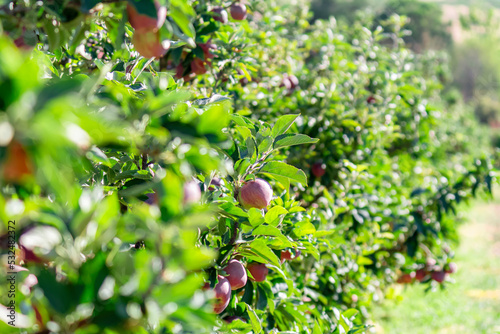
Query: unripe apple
column 259, row 271
column 145, row 22
column 236, row 274
column 255, row 194
column 222, row 292
column 192, row 192
column 238, row 11
column 18, row 165
column 198, row 66
column 406, row 278
column 148, row 43
column 354, row 298
column 421, row 274
column 318, row 169
column 220, row 15
column 451, row 268
column 438, row 276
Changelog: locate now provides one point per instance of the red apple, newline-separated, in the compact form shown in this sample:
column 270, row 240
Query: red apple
column 236, row 274
column 438, row 276
column 406, row 278
column 152, row 198
column 421, row 274
column 145, row 22
column 259, row 271
column 255, row 194
column 220, row 15
column 287, row 255
column 148, row 43
column 207, row 47
column 318, row 169
column 231, row 318
column 17, row 165
column 198, row 66
column 238, row 11
column 222, row 294
column 192, row 192
column 371, row 100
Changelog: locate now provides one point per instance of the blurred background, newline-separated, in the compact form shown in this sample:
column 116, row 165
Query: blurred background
column 468, row 32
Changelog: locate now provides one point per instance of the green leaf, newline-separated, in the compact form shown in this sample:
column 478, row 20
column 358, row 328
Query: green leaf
column 292, row 139
column 145, row 7
column 255, row 217
column 317, row 329
column 283, row 124
column 277, row 168
column 213, row 120
column 233, row 209
column 265, row 144
column 254, row 320
column 273, row 214
column 182, row 20
column 260, row 247
column 350, row 313
column 98, row 156
column 304, row 228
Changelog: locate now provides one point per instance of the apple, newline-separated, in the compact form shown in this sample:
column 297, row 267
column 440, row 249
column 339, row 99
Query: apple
column 198, row 66
column 421, row 274
column 371, row 100
column 145, row 22
column 451, row 268
column 222, row 294
column 220, row 14
column 179, row 71
column 207, row 47
column 318, row 169
column 287, row 255
column 152, row 198
column 192, row 192
column 259, row 271
column 236, row 274
column 255, row 194
column 238, row 11
column 231, row 318
column 406, row 278
column 354, row 298
column 438, row 276
column 17, row 165
column 148, row 43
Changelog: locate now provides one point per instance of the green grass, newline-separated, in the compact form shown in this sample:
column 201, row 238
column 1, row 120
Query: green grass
column 472, row 304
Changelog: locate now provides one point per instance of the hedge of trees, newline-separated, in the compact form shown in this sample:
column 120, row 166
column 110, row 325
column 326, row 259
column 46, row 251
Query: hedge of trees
column 218, row 166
